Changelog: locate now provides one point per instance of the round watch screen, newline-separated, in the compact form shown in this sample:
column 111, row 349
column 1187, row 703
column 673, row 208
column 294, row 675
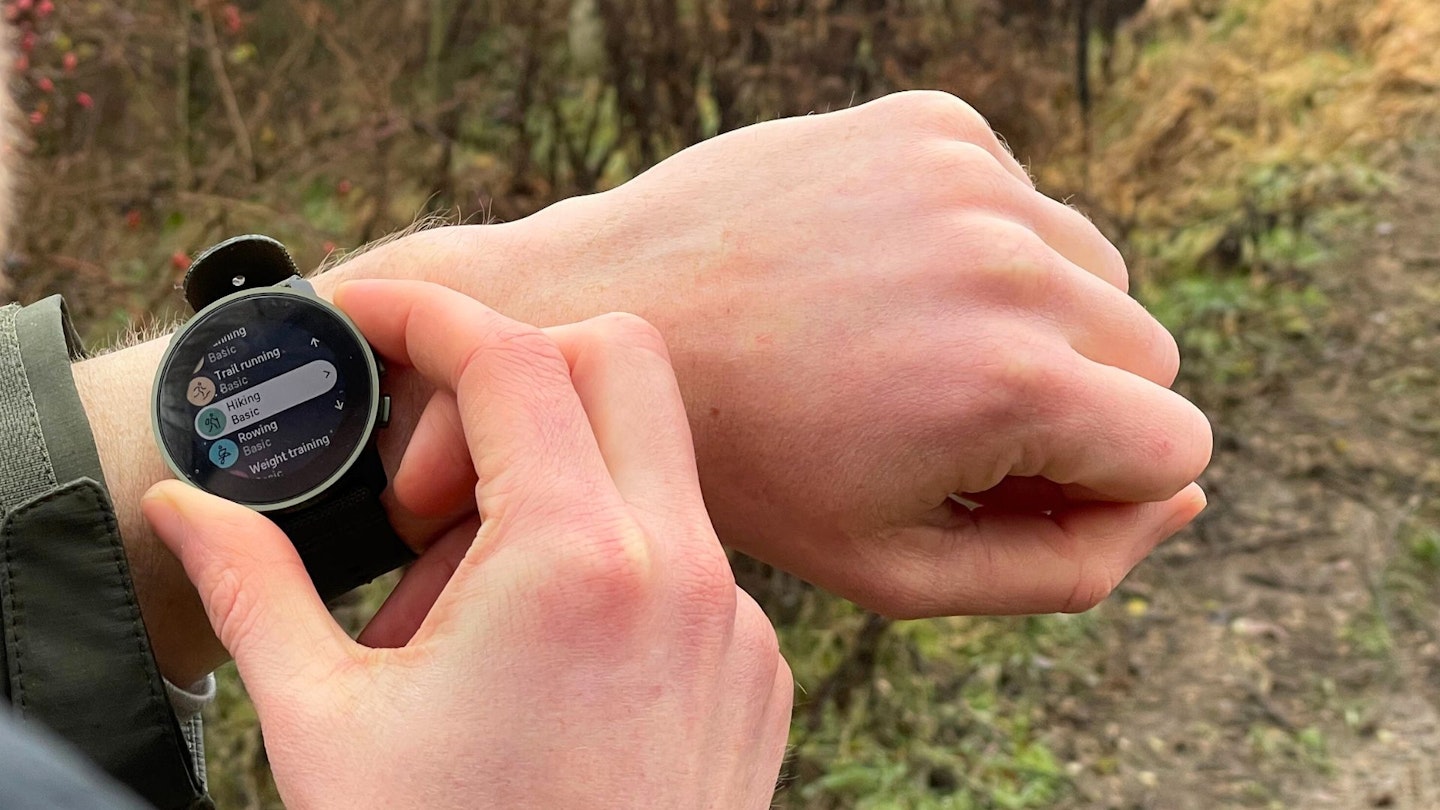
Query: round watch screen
column 265, row 398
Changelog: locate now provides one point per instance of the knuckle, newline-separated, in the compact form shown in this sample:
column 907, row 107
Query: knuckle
column 1032, row 376
column 999, row 406
column 975, row 161
column 936, row 109
column 974, row 174
column 784, row 685
column 781, row 704
column 707, row 585
column 1167, row 355
column 783, row 700
column 1093, row 584
column 232, row 607
column 568, row 206
column 755, row 642
column 607, row 567
column 631, row 331
column 514, row 346
column 1114, row 260
column 1026, row 272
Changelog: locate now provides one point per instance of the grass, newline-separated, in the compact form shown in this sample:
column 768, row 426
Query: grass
column 949, row 715
column 239, row 774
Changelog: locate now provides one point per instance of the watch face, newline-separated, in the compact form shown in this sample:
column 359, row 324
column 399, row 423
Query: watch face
column 265, row 398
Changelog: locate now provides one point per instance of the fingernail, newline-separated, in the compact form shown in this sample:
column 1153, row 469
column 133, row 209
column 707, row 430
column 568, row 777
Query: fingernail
column 164, row 515
column 1187, row 510
column 1197, row 501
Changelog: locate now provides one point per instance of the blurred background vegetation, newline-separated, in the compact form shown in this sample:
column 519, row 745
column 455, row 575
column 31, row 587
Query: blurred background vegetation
column 1262, row 163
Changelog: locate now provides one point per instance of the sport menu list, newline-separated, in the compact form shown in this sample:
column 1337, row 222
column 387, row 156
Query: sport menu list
column 252, row 408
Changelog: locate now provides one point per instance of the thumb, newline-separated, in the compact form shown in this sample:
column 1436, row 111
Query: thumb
column 256, row 592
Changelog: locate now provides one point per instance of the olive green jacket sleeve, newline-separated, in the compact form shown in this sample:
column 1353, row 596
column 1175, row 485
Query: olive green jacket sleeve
column 75, row 656
column 41, row 446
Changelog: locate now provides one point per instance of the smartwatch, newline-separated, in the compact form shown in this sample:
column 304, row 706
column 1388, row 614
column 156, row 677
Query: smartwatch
column 270, row 397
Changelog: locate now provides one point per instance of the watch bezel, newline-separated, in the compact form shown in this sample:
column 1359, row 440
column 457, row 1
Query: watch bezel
column 312, row 494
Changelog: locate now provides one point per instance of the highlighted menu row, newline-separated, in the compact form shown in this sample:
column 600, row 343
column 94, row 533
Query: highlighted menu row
column 274, row 396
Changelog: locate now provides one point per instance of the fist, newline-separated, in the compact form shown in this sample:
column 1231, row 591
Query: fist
column 872, row 313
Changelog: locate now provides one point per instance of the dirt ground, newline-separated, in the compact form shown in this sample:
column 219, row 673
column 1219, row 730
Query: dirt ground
column 1286, row 653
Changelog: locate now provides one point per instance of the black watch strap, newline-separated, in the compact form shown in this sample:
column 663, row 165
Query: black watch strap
column 238, row 263
column 345, row 540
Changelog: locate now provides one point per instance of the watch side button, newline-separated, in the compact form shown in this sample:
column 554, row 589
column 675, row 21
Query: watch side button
column 384, row 417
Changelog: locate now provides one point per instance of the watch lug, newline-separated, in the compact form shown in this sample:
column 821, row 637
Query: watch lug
column 300, row 285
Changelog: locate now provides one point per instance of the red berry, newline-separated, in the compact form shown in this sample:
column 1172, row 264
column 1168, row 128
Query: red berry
column 231, row 15
column 45, row 85
column 27, row 42
column 24, row 5
column 179, row 260
column 132, row 219
column 344, row 187
column 84, row 100
column 37, row 118
column 70, row 61
column 22, row 63
column 11, row 13
column 44, row 9
column 329, row 247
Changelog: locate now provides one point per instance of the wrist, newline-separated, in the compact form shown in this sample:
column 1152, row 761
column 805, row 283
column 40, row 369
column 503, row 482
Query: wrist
column 115, row 391
column 478, row 260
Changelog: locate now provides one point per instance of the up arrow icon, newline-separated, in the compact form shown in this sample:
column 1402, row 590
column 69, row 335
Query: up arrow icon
column 314, row 343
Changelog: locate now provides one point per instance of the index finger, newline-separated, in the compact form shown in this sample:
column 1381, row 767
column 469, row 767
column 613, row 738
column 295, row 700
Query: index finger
column 526, row 431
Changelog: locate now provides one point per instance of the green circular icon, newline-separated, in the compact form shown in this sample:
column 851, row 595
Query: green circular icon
column 210, row 423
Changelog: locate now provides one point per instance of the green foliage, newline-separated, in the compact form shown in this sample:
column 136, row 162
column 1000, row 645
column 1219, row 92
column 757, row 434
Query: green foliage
column 1423, row 549
column 1368, row 631
column 1244, row 135
column 239, row 774
column 1306, row 747
column 943, row 714
column 1410, row 585
column 1230, row 327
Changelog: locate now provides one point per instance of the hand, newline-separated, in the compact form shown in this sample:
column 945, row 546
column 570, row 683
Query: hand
column 870, row 310
column 590, row 649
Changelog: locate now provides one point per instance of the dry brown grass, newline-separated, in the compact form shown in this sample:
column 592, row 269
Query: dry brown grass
column 1246, row 109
